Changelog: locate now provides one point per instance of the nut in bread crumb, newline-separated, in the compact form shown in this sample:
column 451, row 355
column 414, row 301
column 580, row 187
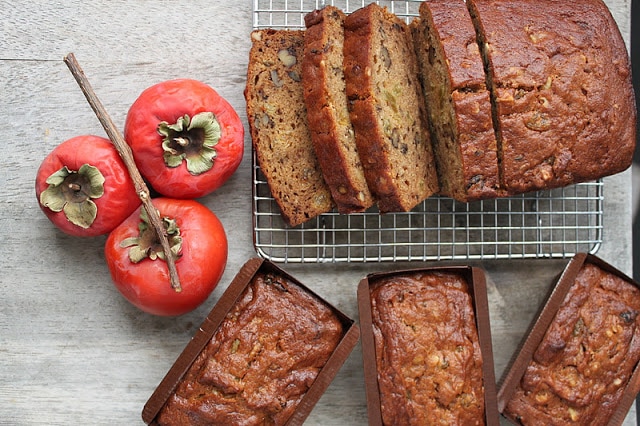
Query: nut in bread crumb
column 539, row 122
column 542, row 397
column 287, row 58
column 573, row 414
column 386, row 58
column 256, row 36
column 295, row 76
column 276, row 79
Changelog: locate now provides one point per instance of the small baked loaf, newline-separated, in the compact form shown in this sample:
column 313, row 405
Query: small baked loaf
column 564, row 102
column 458, row 101
column 278, row 120
column 580, row 369
column 260, row 362
column 387, row 109
column 427, row 350
column 326, row 102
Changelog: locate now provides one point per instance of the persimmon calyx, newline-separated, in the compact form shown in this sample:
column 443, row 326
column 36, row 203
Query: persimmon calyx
column 71, row 192
column 192, row 139
column 147, row 244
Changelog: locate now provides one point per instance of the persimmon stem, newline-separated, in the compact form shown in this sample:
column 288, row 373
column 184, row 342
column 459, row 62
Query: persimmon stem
column 182, row 141
column 127, row 157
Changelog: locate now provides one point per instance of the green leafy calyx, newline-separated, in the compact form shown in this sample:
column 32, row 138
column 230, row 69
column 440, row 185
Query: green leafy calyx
column 192, row 139
column 147, row 244
column 71, row 192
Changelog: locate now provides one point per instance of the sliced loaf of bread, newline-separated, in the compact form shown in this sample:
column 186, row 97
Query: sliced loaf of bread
column 458, row 101
column 278, row 122
column 326, row 102
column 387, row 109
column 564, row 106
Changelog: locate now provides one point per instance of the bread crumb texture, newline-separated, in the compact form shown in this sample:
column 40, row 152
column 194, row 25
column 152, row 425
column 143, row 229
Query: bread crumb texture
column 279, row 129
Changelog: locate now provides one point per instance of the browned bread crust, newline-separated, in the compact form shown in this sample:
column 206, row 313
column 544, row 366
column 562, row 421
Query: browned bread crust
column 386, row 109
column 326, row 102
column 562, row 107
column 278, row 122
column 427, row 350
column 561, row 83
column 260, row 362
column 581, row 367
column 458, row 102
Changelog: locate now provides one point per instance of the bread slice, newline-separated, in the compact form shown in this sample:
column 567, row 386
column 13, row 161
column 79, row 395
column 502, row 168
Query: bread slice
column 561, row 87
column 326, row 102
column 387, row 109
column 458, row 101
column 278, row 122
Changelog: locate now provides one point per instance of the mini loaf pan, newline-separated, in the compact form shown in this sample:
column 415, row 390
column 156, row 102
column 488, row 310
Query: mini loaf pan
column 211, row 323
column 538, row 330
column 477, row 286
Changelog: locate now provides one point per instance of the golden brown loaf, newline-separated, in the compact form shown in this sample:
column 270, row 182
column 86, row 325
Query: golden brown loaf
column 458, row 102
column 387, row 109
column 427, row 350
column 279, row 130
column 516, row 101
column 580, row 369
column 326, row 102
column 260, row 362
column 564, row 103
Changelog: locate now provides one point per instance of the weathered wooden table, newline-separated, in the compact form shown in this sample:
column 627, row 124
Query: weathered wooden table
column 72, row 350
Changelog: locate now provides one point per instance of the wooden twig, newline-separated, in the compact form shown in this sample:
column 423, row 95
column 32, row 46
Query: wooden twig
column 125, row 152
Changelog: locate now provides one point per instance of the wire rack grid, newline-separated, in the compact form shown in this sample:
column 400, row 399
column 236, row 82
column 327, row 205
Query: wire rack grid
column 289, row 14
column 545, row 224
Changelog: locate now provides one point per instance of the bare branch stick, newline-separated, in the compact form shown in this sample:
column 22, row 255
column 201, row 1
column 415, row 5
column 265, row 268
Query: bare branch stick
column 125, row 152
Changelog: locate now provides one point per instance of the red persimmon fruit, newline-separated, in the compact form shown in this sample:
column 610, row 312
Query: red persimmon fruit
column 136, row 259
column 84, row 188
column 186, row 139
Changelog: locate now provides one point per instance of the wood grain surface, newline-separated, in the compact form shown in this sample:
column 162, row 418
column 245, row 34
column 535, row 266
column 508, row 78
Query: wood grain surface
column 72, row 350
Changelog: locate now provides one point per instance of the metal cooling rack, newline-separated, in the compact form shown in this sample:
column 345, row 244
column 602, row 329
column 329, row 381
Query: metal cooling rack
column 544, row 224
column 289, row 14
